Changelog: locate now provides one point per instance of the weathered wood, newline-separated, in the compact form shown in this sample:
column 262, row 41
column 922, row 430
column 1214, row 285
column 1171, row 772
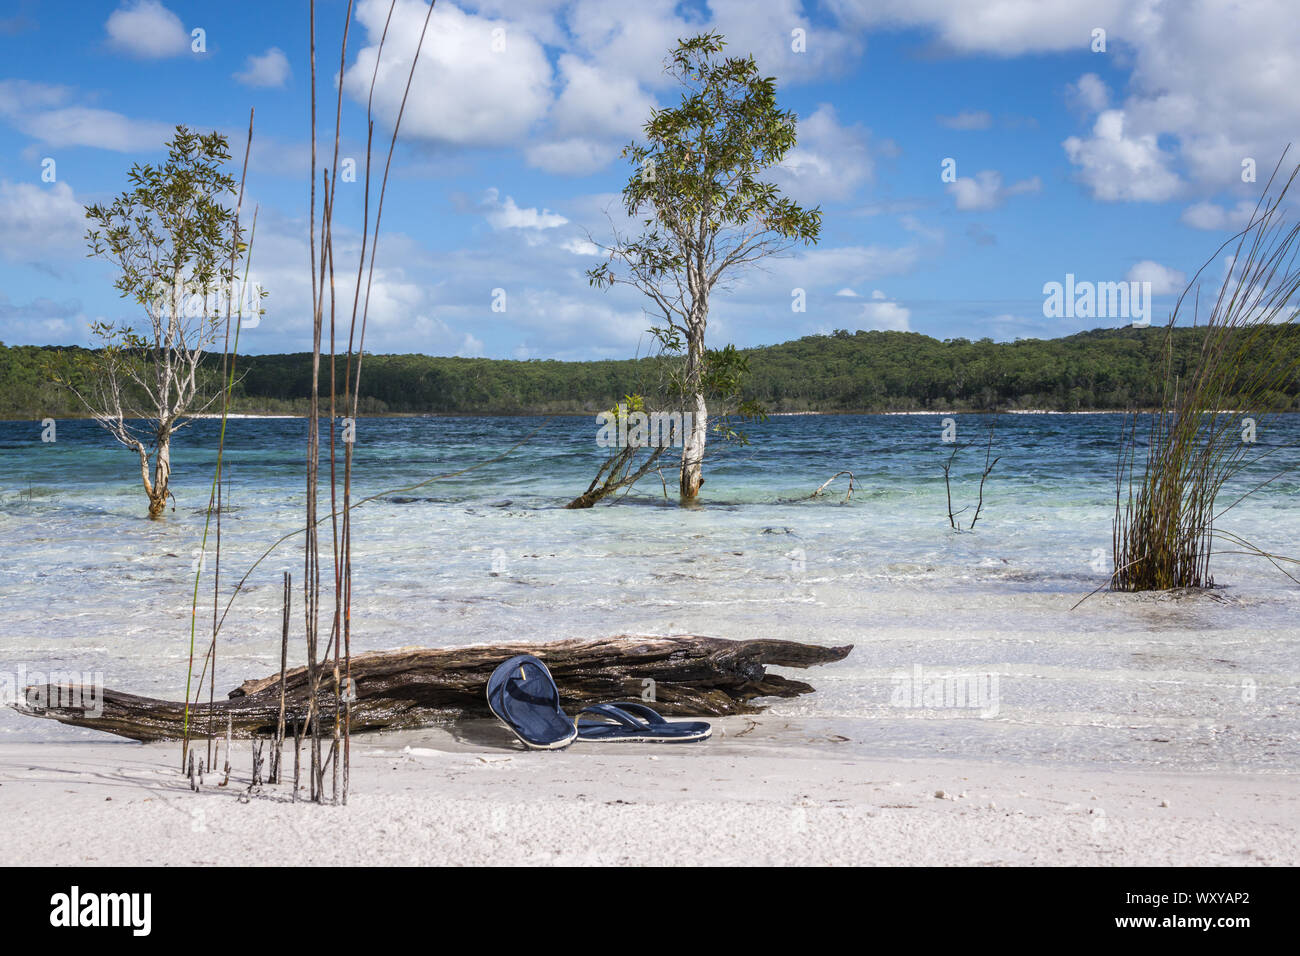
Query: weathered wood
column 416, row 686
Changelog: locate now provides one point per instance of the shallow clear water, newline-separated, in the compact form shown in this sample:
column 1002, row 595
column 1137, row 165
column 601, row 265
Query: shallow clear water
column 1208, row 681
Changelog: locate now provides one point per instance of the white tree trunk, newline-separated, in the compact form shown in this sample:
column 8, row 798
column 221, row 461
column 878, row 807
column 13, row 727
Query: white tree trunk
column 162, row 471
column 692, row 476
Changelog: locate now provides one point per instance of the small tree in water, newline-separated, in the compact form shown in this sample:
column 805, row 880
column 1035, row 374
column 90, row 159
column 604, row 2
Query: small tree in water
column 171, row 238
column 697, row 185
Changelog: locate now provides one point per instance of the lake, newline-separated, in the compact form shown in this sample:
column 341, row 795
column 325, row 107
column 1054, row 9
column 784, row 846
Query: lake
column 966, row 644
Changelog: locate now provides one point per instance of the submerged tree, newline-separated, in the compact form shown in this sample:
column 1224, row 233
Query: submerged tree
column 640, row 429
column 698, row 187
column 170, row 238
column 627, row 431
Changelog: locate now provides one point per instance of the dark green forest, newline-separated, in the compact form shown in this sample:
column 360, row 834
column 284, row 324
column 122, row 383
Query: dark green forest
column 840, row 372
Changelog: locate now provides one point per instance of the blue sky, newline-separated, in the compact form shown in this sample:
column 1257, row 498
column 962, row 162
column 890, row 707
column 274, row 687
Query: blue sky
column 1117, row 165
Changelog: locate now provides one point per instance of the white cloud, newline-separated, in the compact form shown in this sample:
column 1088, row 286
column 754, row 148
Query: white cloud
column 103, row 129
column 1119, row 166
column 1089, row 93
column 829, row 161
column 269, row 69
column 1208, row 215
column 598, row 111
column 508, row 215
column 818, row 268
column 999, row 27
column 468, row 89
column 39, row 220
column 1211, row 83
column 885, row 316
column 985, row 191
column 571, row 157
column 847, row 293
column 967, row 120
column 769, row 37
column 145, row 28
column 39, row 111
column 912, row 224
column 598, row 102
column 23, row 96
column 580, row 247
column 42, row 321
column 632, row 38
column 1164, row 280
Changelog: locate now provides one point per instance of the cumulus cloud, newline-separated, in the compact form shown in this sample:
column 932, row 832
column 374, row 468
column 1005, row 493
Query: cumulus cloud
column 580, row 247
column 967, row 119
column 479, row 81
column 829, row 161
column 507, row 215
column 39, row 220
column 145, row 28
column 771, row 38
column 1089, row 93
column 597, row 111
column 268, row 69
column 597, row 100
column 1164, row 280
column 1119, row 165
column 997, row 27
column 1210, row 82
column 985, row 191
column 885, row 316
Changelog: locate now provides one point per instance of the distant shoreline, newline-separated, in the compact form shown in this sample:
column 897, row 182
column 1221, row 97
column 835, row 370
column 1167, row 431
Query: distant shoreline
column 592, row 414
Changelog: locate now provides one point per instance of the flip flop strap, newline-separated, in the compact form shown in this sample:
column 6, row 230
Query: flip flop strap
column 616, row 714
column 511, row 687
column 640, row 710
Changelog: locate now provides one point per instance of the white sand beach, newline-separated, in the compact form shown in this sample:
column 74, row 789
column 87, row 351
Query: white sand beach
column 769, row 790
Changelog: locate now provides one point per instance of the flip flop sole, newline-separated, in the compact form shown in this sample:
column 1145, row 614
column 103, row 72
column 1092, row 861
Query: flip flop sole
column 557, row 745
column 646, row 738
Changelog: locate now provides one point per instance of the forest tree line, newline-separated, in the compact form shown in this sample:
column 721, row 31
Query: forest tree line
column 1104, row 369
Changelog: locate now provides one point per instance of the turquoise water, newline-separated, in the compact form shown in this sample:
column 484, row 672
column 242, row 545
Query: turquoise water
column 1209, row 681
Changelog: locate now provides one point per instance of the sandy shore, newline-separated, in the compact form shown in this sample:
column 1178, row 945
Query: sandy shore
column 779, row 794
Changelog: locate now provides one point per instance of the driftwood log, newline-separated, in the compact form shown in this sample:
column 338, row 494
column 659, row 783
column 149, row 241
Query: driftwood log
column 415, row 687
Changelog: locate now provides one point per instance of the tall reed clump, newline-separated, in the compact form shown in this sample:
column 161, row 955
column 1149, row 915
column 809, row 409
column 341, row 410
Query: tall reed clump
column 1197, row 438
column 329, row 673
column 329, row 667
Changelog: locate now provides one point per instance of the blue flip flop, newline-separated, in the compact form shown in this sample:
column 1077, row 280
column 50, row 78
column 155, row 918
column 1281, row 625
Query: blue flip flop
column 627, row 721
column 523, row 696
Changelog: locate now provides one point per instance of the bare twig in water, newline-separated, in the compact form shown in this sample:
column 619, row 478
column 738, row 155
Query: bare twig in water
column 277, row 754
column 230, row 732
column 847, row 495
column 989, row 463
column 988, row 468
